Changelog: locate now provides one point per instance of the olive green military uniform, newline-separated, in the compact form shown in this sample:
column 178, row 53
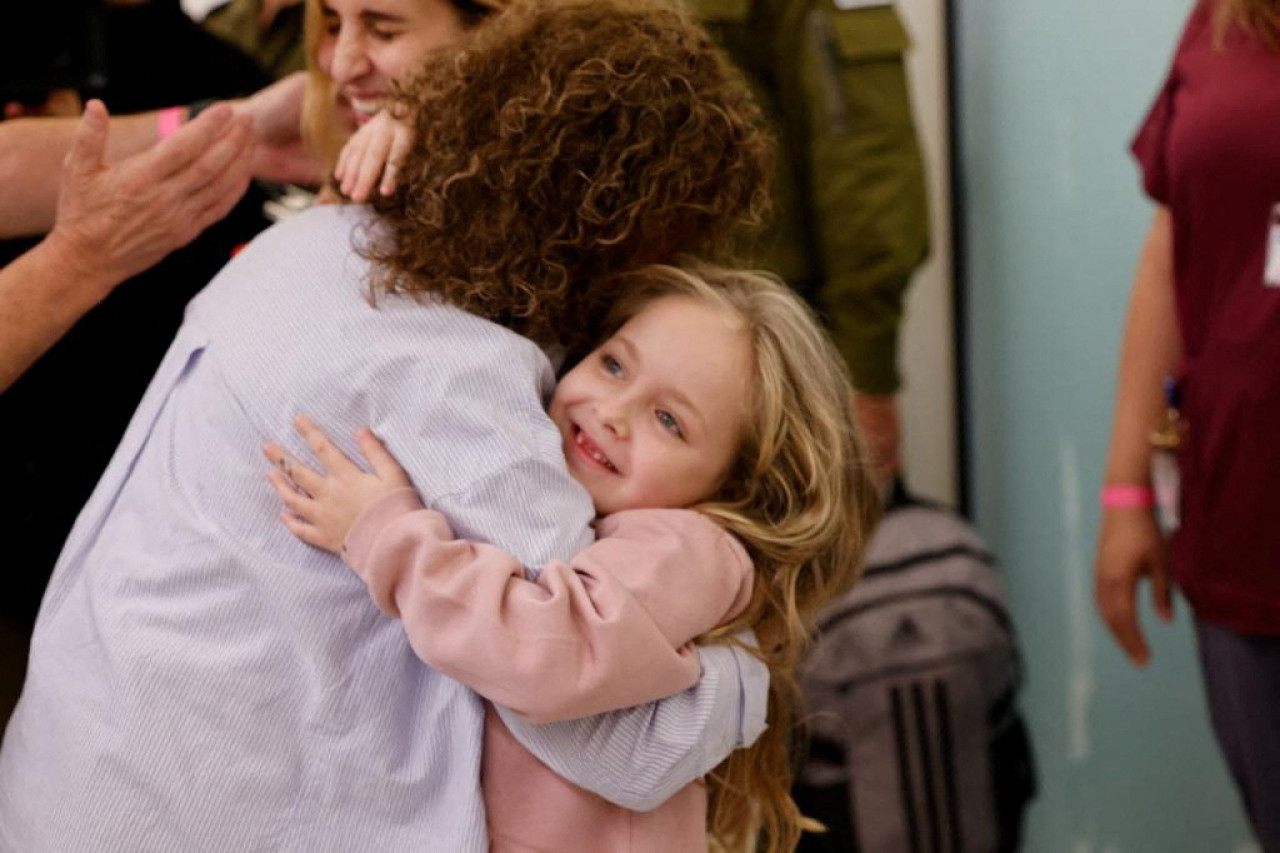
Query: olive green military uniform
column 279, row 49
column 851, row 219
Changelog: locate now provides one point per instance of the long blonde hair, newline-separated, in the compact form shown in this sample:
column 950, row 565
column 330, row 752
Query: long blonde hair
column 799, row 496
column 321, row 133
column 1261, row 17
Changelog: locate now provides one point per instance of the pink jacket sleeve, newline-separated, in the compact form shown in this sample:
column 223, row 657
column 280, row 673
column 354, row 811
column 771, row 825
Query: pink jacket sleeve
column 610, row 629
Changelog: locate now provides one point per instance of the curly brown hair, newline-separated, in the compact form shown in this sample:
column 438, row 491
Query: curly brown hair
column 563, row 142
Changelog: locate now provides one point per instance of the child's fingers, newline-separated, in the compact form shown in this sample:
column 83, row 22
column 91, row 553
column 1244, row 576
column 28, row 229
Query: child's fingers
column 342, row 171
column 371, row 166
column 296, row 502
column 304, row 531
column 333, row 459
column 300, row 475
column 281, row 484
column 309, row 481
column 388, row 185
column 351, row 180
column 383, row 463
column 399, row 150
column 280, row 458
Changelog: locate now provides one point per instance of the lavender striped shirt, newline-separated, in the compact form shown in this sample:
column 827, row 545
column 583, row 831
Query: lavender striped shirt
column 200, row 680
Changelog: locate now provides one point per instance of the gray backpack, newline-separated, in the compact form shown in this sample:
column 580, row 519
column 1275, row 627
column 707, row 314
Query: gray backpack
column 914, row 739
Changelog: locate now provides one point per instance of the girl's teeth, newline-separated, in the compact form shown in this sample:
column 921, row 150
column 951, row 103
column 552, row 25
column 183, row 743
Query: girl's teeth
column 595, row 454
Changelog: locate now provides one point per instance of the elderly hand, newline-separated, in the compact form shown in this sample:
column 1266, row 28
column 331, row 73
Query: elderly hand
column 114, row 221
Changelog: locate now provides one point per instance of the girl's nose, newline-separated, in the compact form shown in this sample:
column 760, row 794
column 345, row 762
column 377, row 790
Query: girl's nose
column 613, row 417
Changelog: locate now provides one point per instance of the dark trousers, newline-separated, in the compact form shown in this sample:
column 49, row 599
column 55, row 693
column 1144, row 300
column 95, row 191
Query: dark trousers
column 1242, row 680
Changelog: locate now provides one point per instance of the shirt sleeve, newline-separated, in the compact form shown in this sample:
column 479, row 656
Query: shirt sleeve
column 638, row 758
column 609, row 629
column 1150, row 144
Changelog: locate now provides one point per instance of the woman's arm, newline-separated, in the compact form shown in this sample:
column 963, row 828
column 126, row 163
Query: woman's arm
column 31, row 155
column 1129, row 542
column 637, row 758
column 114, row 221
column 32, row 151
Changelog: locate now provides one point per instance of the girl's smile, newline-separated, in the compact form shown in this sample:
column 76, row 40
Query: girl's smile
column 654, row 417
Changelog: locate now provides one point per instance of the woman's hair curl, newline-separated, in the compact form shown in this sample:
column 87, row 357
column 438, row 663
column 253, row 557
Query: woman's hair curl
column 561, row 143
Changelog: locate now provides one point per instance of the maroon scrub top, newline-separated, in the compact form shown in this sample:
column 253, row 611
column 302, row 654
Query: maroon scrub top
column 1210, row 151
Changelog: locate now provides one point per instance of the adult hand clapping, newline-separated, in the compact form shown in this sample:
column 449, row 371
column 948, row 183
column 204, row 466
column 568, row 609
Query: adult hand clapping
column 116, row 220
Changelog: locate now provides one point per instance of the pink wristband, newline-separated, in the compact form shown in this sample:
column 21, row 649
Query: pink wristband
column 168, row 122
column 1127, row 497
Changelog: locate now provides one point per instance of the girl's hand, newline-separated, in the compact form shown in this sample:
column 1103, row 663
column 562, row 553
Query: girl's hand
column 374, row 151
column 321, row 507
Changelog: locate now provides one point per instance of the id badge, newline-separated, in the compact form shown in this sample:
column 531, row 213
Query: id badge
column 1166, row 479
column 1166, row 482
column 1271, row 274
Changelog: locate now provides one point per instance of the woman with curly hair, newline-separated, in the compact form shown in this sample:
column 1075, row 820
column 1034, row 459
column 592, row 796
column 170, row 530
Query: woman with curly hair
column 201, row 680
column 757, row 445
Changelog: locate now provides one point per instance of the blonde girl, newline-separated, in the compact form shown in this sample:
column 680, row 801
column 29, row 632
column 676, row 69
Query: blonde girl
column 712, row 431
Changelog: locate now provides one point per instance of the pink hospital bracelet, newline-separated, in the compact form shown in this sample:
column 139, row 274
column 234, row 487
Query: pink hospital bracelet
column 1127, row 497
column 168, row 122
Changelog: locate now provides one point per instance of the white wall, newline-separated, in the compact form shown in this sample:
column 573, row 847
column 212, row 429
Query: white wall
column 928, row 401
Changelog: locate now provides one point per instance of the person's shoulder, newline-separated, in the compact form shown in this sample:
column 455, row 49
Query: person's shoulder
column 324, row 228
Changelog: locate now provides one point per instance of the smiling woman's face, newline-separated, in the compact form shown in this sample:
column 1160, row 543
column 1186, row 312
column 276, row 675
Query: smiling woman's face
column 366, row 45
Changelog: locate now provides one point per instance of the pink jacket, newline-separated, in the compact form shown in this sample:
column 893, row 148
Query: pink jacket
column 610, row 629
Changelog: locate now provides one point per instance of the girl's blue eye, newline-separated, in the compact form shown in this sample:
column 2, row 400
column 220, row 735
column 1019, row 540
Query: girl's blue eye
column 611, row 365
column 670, row 424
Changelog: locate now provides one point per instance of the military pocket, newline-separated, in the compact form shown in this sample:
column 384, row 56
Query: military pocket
column 857, row 71
column 720, row 11
column 872, row 33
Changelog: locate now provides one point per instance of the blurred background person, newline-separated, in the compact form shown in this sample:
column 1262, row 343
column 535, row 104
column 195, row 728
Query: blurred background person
column 1205, row 311
column 68, row 410
column 268, row 30
column 851, row 222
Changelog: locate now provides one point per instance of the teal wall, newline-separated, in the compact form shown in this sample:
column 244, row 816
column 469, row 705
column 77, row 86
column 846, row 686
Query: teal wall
column 1049, row 93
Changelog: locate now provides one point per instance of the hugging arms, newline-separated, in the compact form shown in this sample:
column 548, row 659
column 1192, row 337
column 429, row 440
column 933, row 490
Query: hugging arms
column 195, row 664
